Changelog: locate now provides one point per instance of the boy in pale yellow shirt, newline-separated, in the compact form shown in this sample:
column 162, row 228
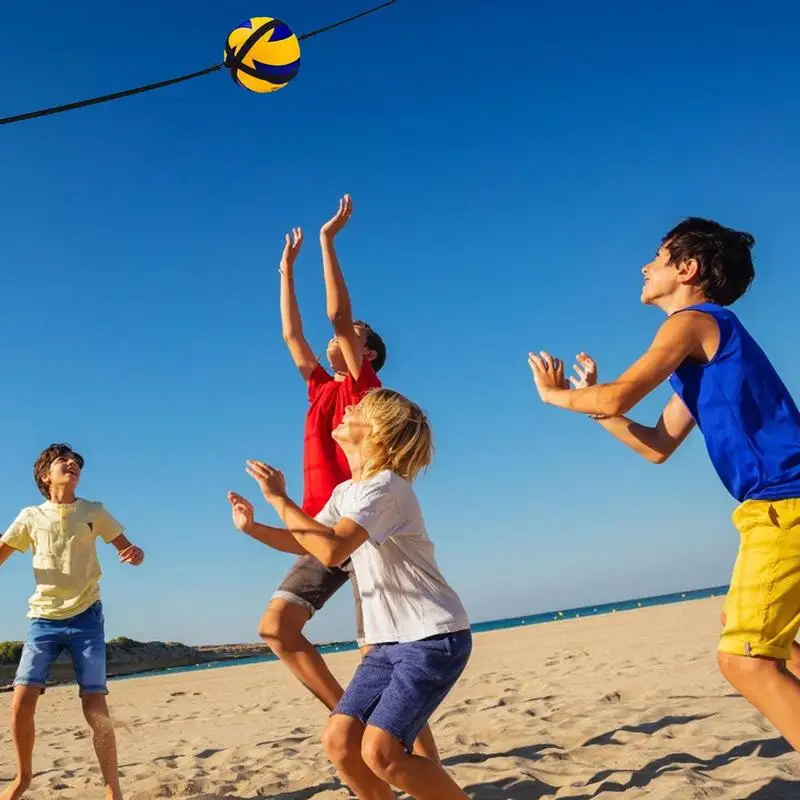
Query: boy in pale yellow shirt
column 65, row 610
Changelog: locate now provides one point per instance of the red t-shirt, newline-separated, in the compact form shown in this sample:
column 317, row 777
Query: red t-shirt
column 324, row 464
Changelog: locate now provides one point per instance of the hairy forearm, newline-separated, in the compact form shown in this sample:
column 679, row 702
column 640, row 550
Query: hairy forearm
column 276, row 538
column 312, row 536
column 645, row 440
column 337, row 298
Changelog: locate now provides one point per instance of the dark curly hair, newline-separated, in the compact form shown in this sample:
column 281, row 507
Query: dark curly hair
column 375, row 343
column 722, row 254
column 45, row 460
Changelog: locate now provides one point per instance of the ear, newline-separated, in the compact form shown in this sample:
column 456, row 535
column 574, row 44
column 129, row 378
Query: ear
column 689, row 270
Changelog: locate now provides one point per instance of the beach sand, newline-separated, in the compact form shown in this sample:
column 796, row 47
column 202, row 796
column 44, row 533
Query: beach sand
column 627, row 705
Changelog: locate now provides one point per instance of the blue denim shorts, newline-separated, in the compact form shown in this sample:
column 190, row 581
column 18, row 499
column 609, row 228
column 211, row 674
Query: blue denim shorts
column 397, row 687
column 83, row 636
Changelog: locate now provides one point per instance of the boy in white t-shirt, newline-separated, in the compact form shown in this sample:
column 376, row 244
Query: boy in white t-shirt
column 413, row 620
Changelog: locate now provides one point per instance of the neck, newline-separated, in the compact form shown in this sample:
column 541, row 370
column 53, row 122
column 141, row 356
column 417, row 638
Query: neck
column 354, row 460
column 62, row 495
column 681, row 300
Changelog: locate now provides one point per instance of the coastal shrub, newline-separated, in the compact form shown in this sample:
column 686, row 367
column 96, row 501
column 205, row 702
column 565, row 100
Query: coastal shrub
column 10, row 652
column 124, row 641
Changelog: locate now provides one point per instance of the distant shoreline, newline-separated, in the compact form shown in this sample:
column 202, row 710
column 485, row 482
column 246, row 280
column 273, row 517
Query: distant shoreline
column 129, row 659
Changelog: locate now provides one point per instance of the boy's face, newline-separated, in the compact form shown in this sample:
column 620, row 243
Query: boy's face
column 660, row 278
column 354, row 427
column 334, row 351
column 64, row 472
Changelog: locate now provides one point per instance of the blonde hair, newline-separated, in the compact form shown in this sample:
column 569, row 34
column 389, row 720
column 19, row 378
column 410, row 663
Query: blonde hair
column 401, row 439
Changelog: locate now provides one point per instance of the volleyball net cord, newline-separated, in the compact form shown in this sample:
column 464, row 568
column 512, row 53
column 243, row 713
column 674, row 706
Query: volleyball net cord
column 45, row 112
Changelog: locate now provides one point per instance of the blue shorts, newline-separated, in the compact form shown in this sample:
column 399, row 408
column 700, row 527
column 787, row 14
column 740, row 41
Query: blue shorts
column 83, row 635
column 397, row 687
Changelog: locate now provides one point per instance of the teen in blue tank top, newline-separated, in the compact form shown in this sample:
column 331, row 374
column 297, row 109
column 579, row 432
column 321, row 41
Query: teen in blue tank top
column 726, row 386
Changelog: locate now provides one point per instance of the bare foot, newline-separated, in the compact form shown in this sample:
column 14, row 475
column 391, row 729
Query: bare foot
column 16, row 789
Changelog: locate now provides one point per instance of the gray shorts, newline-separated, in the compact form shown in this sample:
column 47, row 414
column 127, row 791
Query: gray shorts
column 310, row 584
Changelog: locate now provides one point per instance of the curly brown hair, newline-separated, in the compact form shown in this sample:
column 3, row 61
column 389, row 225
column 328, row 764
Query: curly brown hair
column 42, row 466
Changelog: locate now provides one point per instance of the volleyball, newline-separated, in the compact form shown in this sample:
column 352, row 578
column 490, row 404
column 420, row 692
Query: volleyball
column 262, row 54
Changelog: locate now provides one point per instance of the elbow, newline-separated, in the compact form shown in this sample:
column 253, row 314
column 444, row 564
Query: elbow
column 657, row 458
column 341, row 319
column 330, row 558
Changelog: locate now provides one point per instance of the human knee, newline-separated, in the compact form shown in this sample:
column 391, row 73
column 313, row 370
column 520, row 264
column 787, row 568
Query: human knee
column 339, row 744
column 24, row 701
column 380, row 755
column 281, row 627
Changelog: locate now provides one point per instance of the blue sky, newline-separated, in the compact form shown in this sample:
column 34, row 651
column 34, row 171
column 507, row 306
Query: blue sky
column 512, row 166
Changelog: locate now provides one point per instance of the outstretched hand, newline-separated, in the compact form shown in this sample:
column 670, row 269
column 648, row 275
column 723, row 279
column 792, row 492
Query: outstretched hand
column 548, row 374
column 241, row 512
column 337, row 222
column 269, row 479
column 291, row 248
column 585, row 372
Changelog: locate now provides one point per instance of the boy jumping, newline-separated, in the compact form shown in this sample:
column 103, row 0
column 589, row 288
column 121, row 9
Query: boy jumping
column 65, row 611
column 726, row 385
column 356, row 354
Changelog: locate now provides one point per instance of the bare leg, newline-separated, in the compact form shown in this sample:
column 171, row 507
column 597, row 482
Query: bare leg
column 95, row 709
column 342, row 743
column 23, row 732
column 770, row 687
column 282, row 629
column 419, row 777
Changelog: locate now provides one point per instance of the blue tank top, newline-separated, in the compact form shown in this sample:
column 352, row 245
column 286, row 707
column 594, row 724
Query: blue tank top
column 749, row 420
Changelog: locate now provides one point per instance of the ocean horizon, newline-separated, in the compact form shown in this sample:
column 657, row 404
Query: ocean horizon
column 478, row 627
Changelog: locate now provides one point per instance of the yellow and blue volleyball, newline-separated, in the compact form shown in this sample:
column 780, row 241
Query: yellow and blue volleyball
column 263, row 54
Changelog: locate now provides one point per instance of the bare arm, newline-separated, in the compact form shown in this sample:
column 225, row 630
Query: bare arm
column 658, row 443
column 339, row 308
column 6, row 551
column 680, row 337
column 291, row 323
column 331, row 546
column 276, row 538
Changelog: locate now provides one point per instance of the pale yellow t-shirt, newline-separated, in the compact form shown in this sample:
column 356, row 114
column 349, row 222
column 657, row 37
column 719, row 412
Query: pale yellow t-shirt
column 62, row 537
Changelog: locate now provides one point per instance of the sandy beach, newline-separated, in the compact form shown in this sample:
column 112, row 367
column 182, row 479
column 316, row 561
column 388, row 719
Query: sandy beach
column 626, row 706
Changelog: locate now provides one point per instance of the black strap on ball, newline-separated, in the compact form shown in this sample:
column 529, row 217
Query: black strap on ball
column 232, row 61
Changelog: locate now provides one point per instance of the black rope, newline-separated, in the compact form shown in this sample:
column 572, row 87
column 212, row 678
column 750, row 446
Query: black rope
column 151, row 86
column 345, row 21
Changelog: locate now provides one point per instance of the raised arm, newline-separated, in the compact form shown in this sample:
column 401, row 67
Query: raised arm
column 291, row 324
column 339, row 308
column 682, row 336
column 276, row 538
column 330, row 545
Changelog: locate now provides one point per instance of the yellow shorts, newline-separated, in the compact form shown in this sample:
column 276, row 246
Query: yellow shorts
column 762, row 609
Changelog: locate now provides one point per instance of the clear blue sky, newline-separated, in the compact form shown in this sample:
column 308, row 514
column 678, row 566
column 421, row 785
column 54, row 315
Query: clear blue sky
column 512, row 165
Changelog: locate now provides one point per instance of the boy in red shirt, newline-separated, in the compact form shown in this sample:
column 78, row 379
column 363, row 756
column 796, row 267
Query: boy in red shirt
column 356, row 353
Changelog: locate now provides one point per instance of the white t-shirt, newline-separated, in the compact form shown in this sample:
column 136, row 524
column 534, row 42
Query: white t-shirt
column 404, row 596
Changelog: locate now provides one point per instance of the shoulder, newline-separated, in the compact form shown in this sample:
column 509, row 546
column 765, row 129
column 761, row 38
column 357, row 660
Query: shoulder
column 386, row 486
column 28, row 512
column 90, row 508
